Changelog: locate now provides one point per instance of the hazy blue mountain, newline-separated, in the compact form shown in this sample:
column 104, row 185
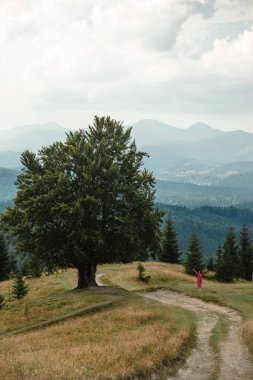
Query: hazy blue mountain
column 198, row 154
column 7, row 184
column 150, row 132
column 31, row 137
column 225, row 148
column 219, row 163
column 191, row 195
column 200, row 131
column 10, row 160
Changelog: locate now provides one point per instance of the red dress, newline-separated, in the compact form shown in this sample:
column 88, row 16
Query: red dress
column 199, row 279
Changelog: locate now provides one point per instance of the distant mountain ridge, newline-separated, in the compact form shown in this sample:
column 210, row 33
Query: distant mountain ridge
column 199, row 155
column 153, row 132
column 7, row 184
column 31, row 137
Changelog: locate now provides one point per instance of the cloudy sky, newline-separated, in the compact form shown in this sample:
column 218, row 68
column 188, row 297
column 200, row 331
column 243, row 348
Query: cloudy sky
column 178, row 61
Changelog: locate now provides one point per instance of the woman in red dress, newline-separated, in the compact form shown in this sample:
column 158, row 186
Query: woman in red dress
column 200, row 275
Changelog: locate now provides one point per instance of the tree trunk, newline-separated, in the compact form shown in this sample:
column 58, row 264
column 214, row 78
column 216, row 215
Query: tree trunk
column 82, row 277
column 92, row 267
column 86, row 275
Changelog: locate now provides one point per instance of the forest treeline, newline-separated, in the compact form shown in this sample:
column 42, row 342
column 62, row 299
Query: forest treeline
column 232, row 260
column 209, row 223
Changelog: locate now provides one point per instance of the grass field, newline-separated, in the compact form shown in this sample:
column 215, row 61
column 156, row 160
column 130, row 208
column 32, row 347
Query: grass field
column 48, row 297
column 238, row 295
column 135, row 335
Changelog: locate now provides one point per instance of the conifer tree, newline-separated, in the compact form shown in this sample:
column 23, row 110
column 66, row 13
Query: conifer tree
column 19, row 289
column 4, row 262
column 218, row 259
column 229, row 262
column 246, row 253
column 194, row 258
column 210, row 264
column 170, row 251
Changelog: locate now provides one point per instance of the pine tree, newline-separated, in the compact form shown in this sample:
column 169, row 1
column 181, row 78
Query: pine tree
column 246, row 253
column 229, row 262
column 4, row 262
column 170, row 251
column 194, row 258
column 218, row 259
column 210, row 264
column 19, row 289
column 141, row 273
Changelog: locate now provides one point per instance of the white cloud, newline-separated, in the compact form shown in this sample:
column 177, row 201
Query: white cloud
column 169, row 55
column 231, row 58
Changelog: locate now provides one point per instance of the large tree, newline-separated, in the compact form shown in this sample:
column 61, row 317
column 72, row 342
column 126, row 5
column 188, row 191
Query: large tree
column 85, row 202
column 194, row 257
column 246, row 253
column 170, row 252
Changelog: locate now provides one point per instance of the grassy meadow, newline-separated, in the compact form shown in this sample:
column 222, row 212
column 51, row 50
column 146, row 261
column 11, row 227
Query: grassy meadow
column 48, row 297
column 134, row 336
column 238, row 295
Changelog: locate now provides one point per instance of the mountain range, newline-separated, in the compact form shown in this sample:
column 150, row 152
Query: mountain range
column 31, row 136
column 148, row 132
column 200, row 155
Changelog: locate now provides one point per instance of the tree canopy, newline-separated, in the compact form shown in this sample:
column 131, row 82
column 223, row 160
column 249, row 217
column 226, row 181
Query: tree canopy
column 85, row 202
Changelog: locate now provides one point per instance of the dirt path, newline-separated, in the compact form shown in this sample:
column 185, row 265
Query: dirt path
column 98, row 278
column 232, row 363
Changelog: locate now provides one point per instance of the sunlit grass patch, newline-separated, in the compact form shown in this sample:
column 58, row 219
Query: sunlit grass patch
column 238, row 295
column 126, row 275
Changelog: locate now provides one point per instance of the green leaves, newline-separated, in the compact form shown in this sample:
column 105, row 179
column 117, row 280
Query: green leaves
column 86, row 200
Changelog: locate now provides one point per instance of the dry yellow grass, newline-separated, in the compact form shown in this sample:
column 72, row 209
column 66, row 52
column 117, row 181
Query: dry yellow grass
column 238, row 295
column 48, row 297
column 134, row 337
column 125, row 275
column 248, row 334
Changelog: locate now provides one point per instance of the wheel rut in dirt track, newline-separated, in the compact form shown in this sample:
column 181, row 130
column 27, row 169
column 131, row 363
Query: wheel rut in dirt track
column 232, row 362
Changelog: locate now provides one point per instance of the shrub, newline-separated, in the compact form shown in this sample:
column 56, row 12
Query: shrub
column 141, row 275
column 19, row 289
